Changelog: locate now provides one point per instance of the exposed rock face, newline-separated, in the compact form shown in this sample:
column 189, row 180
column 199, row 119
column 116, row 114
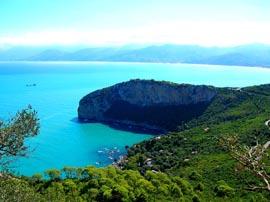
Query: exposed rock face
column 146, row 103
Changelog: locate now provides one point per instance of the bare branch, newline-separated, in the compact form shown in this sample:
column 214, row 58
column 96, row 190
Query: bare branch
column 252, row 158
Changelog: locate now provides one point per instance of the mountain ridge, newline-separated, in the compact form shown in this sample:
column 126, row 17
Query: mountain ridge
column 245, row 55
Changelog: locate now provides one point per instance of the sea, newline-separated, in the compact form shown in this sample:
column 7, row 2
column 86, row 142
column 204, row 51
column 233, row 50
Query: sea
column 54, row 90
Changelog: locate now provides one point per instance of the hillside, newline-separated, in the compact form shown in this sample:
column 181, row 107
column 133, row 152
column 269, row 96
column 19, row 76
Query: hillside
column 196, row 148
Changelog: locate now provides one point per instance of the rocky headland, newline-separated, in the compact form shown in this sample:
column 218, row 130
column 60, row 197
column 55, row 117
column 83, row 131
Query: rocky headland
column 151, row 105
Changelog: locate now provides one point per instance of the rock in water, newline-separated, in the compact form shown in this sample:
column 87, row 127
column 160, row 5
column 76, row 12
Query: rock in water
column 146, row 104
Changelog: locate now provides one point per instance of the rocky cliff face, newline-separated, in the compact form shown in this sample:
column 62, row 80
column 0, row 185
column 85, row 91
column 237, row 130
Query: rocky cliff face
column 146, row 103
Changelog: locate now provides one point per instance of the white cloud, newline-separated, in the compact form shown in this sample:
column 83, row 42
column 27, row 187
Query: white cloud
column 180, row 32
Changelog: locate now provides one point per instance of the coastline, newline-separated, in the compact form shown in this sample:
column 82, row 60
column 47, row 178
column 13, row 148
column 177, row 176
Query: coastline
column 128, row 126
column 128, row 62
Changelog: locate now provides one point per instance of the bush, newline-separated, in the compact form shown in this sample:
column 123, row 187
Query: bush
column 184, row 185
column 195, row 198
column 199, row 187
column 223, row 189
column 36, row 178
column 195, row 176
column 53, row 174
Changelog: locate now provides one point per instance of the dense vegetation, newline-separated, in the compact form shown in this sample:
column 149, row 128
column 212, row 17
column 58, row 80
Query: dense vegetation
column 190, row 164
column 93, row 184
column 196, row 150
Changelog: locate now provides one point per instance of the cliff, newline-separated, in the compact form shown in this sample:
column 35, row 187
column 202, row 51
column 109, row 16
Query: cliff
column 146, row 104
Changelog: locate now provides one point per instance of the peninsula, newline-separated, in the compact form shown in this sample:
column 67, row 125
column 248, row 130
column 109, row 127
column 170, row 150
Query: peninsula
column 146, row 104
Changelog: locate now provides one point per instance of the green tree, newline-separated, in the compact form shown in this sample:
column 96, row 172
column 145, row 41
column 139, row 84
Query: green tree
column 12, row 189
column 53, row 174
column 70, row 172
column 13, row 133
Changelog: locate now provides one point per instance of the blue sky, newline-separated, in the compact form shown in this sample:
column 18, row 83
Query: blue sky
column 117, row 22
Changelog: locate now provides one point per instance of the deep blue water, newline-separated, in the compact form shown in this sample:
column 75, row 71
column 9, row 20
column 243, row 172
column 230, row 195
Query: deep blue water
column 60, row 85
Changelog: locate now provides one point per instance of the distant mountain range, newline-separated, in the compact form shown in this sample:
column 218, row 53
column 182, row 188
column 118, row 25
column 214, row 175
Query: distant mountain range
column 246, row 55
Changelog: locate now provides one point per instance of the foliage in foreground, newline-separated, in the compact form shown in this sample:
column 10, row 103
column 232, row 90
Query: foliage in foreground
column 13, row 133
column 98, row 184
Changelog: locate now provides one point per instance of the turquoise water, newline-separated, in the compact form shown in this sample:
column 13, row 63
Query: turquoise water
column 60, row 85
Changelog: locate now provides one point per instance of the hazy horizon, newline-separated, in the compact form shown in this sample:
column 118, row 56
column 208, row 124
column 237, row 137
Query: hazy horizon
column 127, row 45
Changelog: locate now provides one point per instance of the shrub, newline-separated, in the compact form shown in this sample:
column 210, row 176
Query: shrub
column 195, row 176
column 195, row 198
column 223, row 189
column 53, row 174
column 199, row 187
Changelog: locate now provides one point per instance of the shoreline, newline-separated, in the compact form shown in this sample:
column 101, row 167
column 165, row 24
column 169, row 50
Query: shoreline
column 130, row 62
column 127, row 126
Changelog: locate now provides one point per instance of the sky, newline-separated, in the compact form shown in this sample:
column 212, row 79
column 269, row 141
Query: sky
column 120, row 22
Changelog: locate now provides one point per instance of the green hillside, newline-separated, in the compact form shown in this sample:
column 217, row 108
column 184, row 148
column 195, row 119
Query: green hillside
column 197, row 148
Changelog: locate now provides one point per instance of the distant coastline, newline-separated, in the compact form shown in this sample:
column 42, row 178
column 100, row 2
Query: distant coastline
column 126, row 62
column 243, row 55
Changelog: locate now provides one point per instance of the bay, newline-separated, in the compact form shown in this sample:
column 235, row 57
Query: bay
column 60, row 85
